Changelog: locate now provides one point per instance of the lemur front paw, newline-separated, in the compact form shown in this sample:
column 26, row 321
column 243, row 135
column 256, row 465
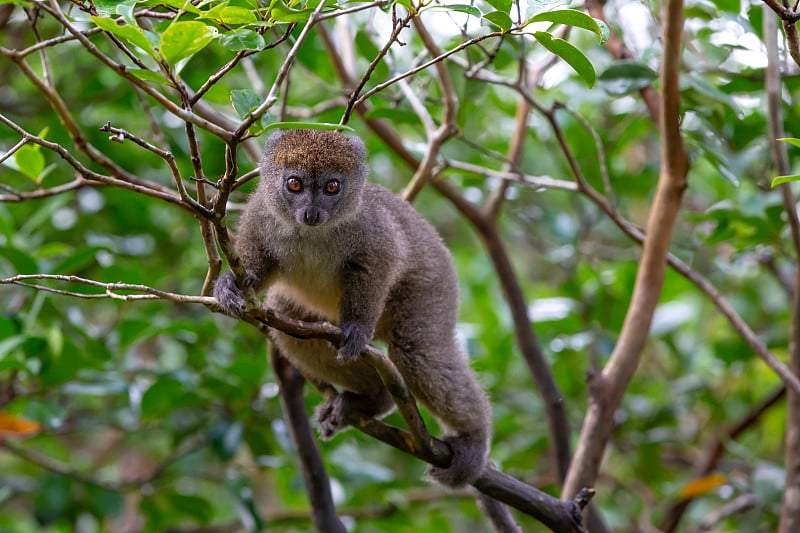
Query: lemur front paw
column 356, row 337
column 229, row 296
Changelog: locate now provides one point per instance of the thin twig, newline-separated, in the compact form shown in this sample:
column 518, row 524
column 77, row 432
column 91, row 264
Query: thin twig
column 55, row 10
column 141, row 186
column 398, row 25
column 283, row 71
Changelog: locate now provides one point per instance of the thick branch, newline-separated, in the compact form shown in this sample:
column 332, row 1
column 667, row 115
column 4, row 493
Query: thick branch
column 790, row 506
column 608, row 388
column 559, row 515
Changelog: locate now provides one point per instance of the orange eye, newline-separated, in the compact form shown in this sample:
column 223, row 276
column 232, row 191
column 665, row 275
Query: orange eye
column 294, row 184
column 332, row 187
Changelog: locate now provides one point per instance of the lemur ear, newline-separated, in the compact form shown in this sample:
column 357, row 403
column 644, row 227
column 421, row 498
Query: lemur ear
column 358, row 146
column 273, row 139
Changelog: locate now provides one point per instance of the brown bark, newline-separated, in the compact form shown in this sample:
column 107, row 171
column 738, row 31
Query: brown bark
column 608, row 387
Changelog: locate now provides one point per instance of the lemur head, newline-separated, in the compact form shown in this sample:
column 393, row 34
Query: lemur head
column 314, row 177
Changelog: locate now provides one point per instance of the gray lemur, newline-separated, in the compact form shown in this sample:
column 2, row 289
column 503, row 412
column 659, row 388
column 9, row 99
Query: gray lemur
column 329, row 245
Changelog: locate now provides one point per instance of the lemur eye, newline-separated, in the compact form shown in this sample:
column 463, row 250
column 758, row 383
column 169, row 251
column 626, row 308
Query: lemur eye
column 294, row 184
column 332, row 187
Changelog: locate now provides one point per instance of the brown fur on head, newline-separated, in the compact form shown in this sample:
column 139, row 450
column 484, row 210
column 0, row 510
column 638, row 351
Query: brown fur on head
column 315, row 151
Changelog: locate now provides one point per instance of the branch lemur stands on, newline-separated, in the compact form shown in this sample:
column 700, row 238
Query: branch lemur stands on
column 328, row 245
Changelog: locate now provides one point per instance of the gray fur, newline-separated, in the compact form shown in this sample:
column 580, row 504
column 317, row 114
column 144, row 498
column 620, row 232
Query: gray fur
column 364, row 259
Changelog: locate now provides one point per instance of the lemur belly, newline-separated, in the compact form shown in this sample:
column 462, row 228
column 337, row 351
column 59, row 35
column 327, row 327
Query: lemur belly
column 312, row 283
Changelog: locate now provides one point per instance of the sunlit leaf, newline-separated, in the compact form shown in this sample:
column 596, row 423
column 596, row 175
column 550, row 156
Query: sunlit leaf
column 111, row 7
column 231, row 15
column 280, row 12
column 55, row 340
column 461, row 8
column 183, row 5
column 785, row 179
column 149, row 75
column 244, row 101
column 131, row 34
column 570, row 54
column 573, row 17
column 408, row 4
column 242, row 39
column 30, row 161
column 503, row 6
column 790, row 140
column 183, row 39
column 499, row 19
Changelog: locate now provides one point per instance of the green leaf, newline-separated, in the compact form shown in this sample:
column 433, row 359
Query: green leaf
column 625, row 77
column 461, row 8
column 183, row 5
column 231, row 15
column 82, row 258
column 504, row 6
column 499, row 19
column 366, row 47
column 132, row 34
column 104, row 502
column 108, row 8
column 10, row 344
column 52, row 497
column 395, row 115
column 570, row 54
column 196, row 507
column 149, row 75
column 226, row 439
column 729, row 6
column 55, row 340
column 244, row 101
column 167, row 395
column 280, row 12
column 790, row 140
column 242, row 40
column 125, row 10
column 308, row 126
column 785, row 179
column 408, row 4
column 30, row 161
column 573, row 17
column 21, row 262
column 710, row 91
column 183, row 39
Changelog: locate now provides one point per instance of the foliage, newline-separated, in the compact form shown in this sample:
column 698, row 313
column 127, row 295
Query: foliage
column 146, row 414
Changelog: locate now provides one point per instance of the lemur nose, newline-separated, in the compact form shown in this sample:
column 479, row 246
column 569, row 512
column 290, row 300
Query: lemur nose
column 311, row 217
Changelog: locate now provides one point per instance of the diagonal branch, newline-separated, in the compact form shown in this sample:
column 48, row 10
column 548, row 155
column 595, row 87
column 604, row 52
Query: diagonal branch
column 557, row 514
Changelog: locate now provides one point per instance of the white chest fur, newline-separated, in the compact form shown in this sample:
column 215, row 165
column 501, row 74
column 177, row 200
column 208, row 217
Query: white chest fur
column 313, row 280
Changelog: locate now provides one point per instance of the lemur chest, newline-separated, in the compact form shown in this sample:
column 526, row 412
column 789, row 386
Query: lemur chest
column 313, row 280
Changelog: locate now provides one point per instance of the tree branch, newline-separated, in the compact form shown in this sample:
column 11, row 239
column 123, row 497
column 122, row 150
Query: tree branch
column 559, row 515
column 790, row 505
column 608, row 387
column 318, row 486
